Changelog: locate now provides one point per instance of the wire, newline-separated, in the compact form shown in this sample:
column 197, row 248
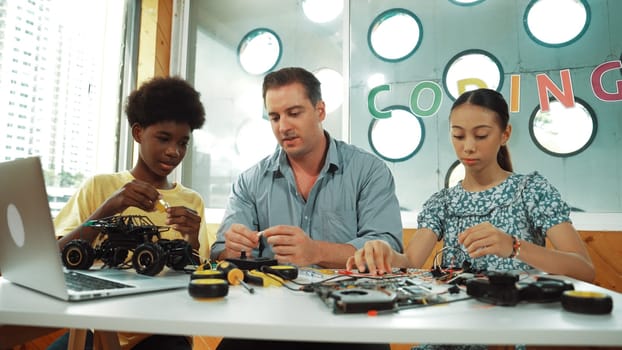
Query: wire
column 437, row 264
column 416, row 306
column 311, row 287
column 283, row 283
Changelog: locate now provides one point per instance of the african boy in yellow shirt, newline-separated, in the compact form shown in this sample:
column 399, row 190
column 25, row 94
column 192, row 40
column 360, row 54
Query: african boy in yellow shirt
column 162, row 114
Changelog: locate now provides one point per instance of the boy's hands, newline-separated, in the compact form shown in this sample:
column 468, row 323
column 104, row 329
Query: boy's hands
column 145, row 196
column 186, row 221
column 135, row 193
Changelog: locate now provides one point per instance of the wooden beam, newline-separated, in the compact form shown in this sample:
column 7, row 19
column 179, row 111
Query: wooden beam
column 154, row 50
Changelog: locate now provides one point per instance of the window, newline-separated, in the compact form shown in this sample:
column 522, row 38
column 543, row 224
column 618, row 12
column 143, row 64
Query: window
column 563, row 131
column 321, row 11
column 228, row 69
column 466, row 2
column 259, row 51
column 556, row 23
column 395, row 35
column 332, row 88
column 472, row 69
column 77, row 87
column 397, row 138
column 467, row 44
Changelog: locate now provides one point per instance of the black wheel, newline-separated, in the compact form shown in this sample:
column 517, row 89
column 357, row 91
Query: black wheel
column 179, row 254
column 78, row 255
column 148, row 259
column 112, row 256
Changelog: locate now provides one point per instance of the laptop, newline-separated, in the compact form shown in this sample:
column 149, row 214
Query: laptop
column 29, row 253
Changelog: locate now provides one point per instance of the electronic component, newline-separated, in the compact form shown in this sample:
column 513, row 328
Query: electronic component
column 245, row 262
column 503, row 289
column 356, row 300
column 286, row 272
column 357, row 294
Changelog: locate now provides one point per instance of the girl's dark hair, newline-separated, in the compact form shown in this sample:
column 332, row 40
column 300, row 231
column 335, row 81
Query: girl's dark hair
column 286, row 76
column 165, row 99
column 494, row 101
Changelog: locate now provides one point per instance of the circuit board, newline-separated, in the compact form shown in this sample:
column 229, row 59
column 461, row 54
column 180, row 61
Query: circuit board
column 359, row 293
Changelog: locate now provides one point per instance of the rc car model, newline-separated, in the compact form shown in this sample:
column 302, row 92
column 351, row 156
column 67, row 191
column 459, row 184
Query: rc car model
column 124, row 234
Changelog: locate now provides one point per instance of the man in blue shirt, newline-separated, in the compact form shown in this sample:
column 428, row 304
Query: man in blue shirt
column 316, row 199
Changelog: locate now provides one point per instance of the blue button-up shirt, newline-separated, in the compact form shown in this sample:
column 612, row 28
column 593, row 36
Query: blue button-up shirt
column 352, row 201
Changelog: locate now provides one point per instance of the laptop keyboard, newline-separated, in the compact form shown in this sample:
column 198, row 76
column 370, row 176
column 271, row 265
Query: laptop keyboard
column 80, row 282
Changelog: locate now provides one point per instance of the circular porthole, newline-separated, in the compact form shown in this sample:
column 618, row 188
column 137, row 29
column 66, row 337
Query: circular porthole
column 395, row 35
column 563, row 132
column 397, row 138
column 322, row 11
column 253, row 141
column 376, row 79
column 332, row 88
column 555, row 23
column 470, row 70
column 455, row 174
column 466, row 2
column 259, row 51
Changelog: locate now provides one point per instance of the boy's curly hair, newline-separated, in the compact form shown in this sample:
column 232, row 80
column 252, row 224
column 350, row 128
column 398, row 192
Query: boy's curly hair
column 165, row 99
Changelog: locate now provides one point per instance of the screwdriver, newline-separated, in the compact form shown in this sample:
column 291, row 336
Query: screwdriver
column 234, row 275
column 261, row 279
column 161, row 205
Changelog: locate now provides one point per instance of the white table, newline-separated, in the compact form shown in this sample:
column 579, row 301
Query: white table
column 278, row 313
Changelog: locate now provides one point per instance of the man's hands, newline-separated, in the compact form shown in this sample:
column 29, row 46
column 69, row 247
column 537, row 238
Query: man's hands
column 290, row 244
column 238, row 239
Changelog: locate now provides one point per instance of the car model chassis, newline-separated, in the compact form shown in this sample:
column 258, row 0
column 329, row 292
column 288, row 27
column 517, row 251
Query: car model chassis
column 125, row 234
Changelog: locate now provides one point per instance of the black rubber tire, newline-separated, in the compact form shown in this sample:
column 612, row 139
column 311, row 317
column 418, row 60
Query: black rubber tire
column 148, row 259
column 208, row 288
column 583, row 302
column 78, row 255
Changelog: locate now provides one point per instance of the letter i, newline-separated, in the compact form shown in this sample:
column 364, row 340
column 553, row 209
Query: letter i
column 514, row 93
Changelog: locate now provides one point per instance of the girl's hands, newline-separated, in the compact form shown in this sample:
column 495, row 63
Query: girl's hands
column 484, row 238
column 375, row 257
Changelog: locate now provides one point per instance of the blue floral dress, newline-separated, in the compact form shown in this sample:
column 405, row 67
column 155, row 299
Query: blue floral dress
column 523, row 205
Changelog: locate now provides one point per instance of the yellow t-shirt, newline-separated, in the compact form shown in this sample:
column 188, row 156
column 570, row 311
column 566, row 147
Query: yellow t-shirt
column 98, row 188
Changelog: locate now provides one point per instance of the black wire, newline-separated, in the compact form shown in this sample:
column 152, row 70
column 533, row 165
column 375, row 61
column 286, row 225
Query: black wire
column 415, row 306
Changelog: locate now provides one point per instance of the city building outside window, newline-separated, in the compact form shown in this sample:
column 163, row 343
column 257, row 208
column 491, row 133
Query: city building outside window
column 60, row 81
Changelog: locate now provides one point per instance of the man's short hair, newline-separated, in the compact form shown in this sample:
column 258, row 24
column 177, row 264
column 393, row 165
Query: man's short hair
column 290, row 75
